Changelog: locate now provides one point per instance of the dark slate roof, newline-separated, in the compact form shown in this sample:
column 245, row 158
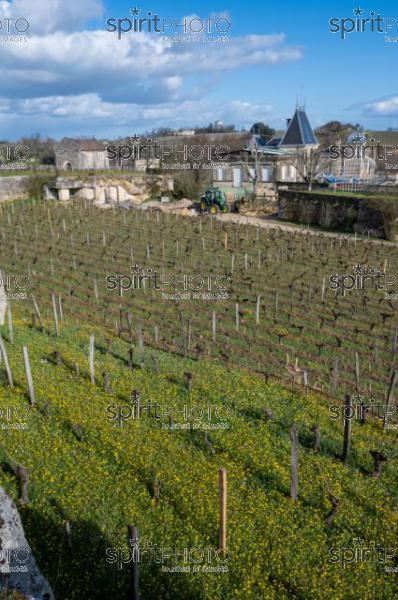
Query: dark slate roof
column 260, row 141
column 299, row 131
column 274, row 142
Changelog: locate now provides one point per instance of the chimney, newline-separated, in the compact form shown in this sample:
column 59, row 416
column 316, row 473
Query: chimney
column 288, row 122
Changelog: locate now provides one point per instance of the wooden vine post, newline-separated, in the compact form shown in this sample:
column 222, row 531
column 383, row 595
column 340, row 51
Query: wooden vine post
column 6, row 363
column 393, row 382
column 10, row 324
column 134, row 591
column 294, row 462
column 347, row 428
column 55, row 314
column 214, row 326
column 23, row 478
column 222, row 486
column 37, row 311
column 91, row 358
column 28, row 375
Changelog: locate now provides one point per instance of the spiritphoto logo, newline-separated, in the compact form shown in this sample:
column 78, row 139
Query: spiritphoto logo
column 361, row 23
column 361, row 553
column 14, row 560
column 152, row 149
column 14, row 156
column 363, row 278
column 360, row 148
column 13, row 30
column 191, row 28
column 170, row 416
column 179, row 286
column 14, row 287
column 183, row 559
column 360, row 409
column 14, row 417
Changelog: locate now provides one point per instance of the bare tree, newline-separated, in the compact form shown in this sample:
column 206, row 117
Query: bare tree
column 309, row 163
column 251, row 163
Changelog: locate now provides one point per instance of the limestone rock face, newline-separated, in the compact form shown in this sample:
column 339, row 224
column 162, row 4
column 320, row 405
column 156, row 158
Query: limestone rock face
column 133, row 190
column 18, row 566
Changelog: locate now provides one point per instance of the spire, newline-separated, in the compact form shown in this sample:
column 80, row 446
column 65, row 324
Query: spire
column 299, row 131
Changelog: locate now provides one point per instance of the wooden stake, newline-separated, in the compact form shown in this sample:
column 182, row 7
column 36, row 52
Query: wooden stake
column 7, row 364
column 10, row 325
column 214, row 326
column 55, row 314
column 258, row 310
column 61, row 312
column 357, row 372
column 134, row 592
column 317, row 438
column 222, row 486
column 393, row 381
column 347, row 429
column 28, row 375
column 23, row 477
column 37, row 311
column 294, row 462
column 335, row 376
column 189, row 335
column 91, row 358
column 140, row 339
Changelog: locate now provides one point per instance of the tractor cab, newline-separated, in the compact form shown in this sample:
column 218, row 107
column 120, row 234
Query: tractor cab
column 213, row 201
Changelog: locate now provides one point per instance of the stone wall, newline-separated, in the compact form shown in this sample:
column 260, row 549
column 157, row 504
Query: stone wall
column 331, row 211
column 13, row 187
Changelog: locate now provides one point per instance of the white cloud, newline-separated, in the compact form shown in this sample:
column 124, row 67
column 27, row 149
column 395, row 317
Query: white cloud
column 96, row 61
column 90, row 106
column 66, row 72
column 383, row 108
column 47, row 16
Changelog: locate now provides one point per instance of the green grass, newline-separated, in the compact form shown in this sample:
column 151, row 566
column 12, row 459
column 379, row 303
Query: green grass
column 278, row 549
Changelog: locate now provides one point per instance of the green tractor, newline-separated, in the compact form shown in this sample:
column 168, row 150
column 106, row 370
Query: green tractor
column 213, row 201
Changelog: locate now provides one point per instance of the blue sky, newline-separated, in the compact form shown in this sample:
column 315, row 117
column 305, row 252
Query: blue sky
column 72, row 77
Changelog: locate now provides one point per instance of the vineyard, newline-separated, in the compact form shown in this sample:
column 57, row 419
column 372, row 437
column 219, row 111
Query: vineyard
column 278, row 349
column 280, row 318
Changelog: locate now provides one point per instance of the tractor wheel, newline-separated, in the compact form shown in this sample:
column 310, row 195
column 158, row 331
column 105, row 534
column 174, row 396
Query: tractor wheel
column 224, row 209
column 214, row 209
column 203, row 206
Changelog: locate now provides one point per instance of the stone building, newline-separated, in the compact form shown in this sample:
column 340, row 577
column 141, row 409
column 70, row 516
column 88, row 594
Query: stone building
column 270, row 162
column 75, row 155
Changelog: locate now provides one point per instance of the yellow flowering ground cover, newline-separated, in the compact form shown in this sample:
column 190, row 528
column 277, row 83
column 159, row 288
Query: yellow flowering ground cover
column 96, row 475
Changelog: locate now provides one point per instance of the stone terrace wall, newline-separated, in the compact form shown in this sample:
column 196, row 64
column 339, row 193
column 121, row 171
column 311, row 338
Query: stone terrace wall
column 331, row 211
column 13, row 187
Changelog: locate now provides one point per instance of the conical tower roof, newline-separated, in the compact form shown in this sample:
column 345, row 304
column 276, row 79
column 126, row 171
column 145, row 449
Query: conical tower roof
column 299, row 131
